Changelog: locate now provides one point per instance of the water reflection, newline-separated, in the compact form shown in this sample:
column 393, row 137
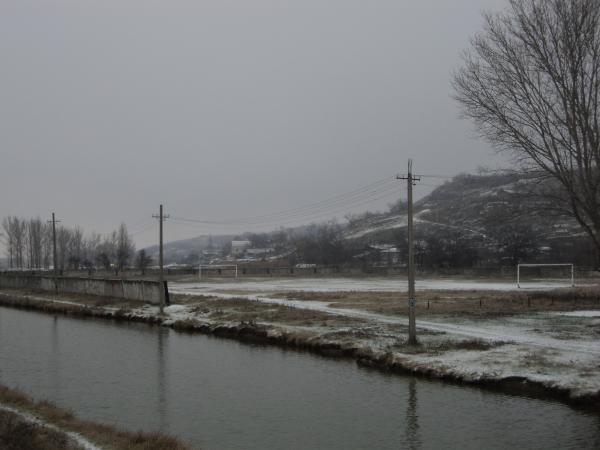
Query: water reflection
column 54, row 355
column 412, row 417
column 162, row 336
column 220, row 394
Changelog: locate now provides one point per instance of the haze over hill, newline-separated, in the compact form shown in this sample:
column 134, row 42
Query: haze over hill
column 223, row 108
column 476, row 218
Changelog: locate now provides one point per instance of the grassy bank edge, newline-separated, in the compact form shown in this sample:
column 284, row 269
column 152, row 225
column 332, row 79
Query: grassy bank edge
column 105, row 436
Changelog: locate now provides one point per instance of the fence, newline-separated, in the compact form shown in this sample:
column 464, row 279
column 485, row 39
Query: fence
column 147, row 291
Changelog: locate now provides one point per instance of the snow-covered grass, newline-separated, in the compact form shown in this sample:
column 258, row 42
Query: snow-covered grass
column 580, row 313
column 354, row 284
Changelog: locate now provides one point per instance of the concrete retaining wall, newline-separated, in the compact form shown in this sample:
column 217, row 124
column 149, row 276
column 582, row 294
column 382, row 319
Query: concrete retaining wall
column 147, row 291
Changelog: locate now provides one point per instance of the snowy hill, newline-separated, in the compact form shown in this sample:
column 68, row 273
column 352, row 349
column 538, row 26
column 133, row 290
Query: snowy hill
column 472, row 205
column 469, row 219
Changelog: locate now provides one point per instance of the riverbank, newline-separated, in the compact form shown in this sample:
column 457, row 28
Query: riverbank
column 556, row 367
column 41, row 425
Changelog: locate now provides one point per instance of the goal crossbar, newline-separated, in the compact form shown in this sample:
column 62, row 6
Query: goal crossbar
column 217, row 266
column 572, row 266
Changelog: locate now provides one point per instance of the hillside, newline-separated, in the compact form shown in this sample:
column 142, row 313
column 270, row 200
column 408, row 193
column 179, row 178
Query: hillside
column 473, row 205
column 471, row 219
column 187, row 249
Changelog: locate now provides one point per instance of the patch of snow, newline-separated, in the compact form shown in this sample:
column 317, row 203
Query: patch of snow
column 389, row 223
column 517, row 333
column 174, row 309
column 580, row 314
column 354, row 285
column 554, row 369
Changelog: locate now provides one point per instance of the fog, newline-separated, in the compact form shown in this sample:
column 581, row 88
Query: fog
column 223, row 109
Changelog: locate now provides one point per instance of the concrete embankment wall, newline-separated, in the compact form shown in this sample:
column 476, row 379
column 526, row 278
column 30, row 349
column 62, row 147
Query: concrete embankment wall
column 147, row 291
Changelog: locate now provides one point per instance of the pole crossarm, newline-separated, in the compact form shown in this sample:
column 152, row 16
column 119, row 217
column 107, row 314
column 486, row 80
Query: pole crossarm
column 414, row 178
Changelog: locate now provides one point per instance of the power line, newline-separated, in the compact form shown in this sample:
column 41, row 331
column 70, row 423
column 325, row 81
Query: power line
column 435, row 176
column 366, row 193
column 141, row 221
column 305, row 216
column 146, row 228
column 298, row 212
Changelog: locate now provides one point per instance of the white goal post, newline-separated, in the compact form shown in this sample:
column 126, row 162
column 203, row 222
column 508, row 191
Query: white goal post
column 545, row 265
column 217, row 266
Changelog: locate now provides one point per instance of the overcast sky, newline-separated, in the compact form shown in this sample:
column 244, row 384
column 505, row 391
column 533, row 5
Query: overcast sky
column 224, row 109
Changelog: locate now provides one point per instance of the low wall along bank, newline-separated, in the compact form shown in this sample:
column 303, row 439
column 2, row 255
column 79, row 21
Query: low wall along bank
column 146, row 291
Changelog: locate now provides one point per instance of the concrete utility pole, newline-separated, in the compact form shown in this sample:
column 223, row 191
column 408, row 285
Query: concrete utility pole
column 54, row 258
column 412, row 301
column 161, row 277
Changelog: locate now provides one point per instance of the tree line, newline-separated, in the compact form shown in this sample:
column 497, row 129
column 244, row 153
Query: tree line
column 29, row 245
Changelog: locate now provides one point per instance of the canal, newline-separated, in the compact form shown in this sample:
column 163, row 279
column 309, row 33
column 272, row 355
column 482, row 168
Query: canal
column 221, row 394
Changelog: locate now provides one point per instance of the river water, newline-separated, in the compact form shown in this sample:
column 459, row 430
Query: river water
column 222, row 394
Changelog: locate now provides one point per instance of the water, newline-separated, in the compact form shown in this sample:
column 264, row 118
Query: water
column 221, row 394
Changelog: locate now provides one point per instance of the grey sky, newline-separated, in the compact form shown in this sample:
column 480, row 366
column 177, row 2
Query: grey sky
column 221, row 108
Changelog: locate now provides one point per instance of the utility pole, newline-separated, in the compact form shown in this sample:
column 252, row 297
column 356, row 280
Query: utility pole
column 161, row 277
column 412, row 301
column 55, row 260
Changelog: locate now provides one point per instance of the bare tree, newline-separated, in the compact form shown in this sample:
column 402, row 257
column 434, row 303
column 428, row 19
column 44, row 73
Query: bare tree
column 63, row 239
column 46, row 244
column 9, row 240
column 106, row 251
column 16, row 240
column 29, row 243
column 90, row 250
column 142, row 261
column 75, row 248
column 34, row 229
column 124, row 248
column 531, row 84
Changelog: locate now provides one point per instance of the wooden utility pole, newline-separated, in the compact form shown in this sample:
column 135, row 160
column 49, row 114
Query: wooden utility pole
column 412, row 301
column 54, row 257
column 161, row 275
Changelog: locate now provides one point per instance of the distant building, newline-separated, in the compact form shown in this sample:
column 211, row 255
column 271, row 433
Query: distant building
column 259, row 252
column 388, row 255
column 239, row 247
column 211, row 253
column 382, row 255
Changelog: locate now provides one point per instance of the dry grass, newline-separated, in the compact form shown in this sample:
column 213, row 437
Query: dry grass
column 16, row 433
column 458, row 302
column 247, row 311
column 104, row 435
column 436, row 347
column 84, row 300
